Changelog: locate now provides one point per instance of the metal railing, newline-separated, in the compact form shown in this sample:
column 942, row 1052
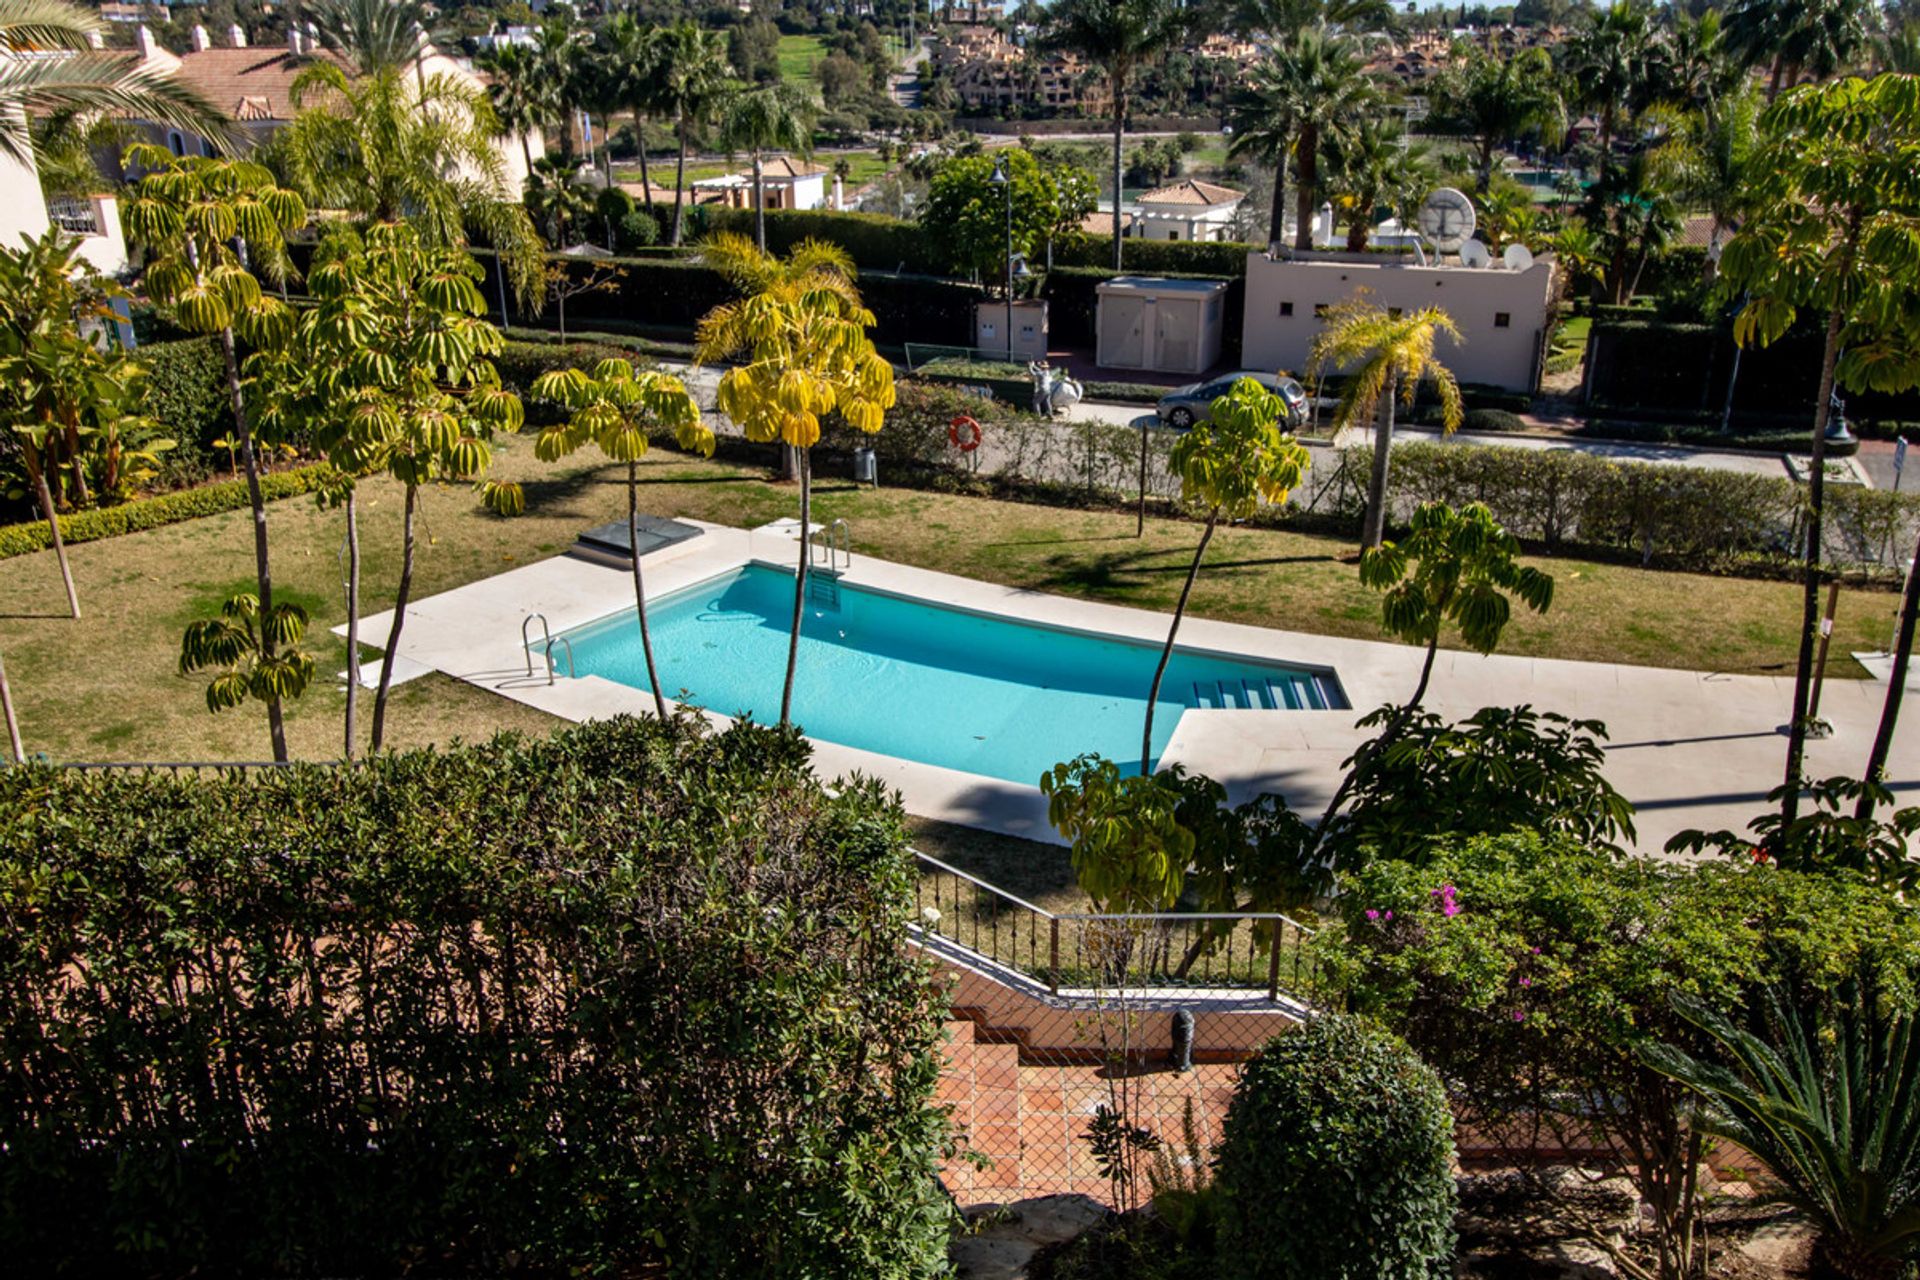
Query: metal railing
column 1085, row 954
column 77, row 217
column 831, row 548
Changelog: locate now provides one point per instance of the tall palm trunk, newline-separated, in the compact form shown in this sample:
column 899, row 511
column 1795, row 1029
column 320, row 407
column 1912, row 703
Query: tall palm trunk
column 759, row 205
column 1373, row 530
column 250, row 461
column 19, row 755
column 799, row 581
column 526, row 154
column 1308, row 155
column 680, row 179
column 1277, row 231
column 400, row 597
column 45, row 496
column 1896, row 687
column 1166, row 652
column 646, row 179
column 1119, row 79
column 353, row 622
column 640, row 589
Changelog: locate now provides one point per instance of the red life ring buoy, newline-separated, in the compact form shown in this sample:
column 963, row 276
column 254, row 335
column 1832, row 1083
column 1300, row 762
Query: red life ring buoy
column 971, row 440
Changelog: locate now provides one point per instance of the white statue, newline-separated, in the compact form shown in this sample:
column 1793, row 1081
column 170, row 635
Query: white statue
column 1054, row 390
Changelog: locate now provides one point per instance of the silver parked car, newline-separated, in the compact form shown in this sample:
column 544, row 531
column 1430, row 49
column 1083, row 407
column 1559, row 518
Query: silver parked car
column 1184, row 406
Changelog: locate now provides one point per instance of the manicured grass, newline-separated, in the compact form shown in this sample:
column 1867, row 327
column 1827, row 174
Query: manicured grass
column 797, row 56
column 106, row 687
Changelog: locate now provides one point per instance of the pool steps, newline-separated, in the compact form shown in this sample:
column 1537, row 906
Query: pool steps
column 1305, row 691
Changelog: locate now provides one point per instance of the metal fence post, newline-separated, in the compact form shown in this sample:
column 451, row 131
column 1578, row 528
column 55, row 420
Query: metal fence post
column 1053, row 954
column 1273, row 964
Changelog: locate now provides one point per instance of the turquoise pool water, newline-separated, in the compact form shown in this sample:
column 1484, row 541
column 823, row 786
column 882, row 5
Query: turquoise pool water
column 922, row 681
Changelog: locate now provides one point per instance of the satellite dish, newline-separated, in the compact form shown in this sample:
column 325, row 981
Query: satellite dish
column 1474, row 254
column 1446, row 220
column 1517, row 257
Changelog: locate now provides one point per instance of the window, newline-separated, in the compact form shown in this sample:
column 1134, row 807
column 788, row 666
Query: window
column 1286, row 308
column 1319, row 310
column 1173, row 233
column 1393, row 313
column 1502, row 320
column 176, row 143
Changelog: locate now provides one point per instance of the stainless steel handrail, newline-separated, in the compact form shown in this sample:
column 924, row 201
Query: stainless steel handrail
column 568, row 645
column 526, row 641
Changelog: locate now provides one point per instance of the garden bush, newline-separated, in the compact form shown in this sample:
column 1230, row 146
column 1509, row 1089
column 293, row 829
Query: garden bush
column 631, row 997
column 187, row 393
column 150, row 513
column 1491, row 420
column 1335, row 1160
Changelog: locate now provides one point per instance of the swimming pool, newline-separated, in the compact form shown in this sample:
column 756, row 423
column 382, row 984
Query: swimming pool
column 923, row 681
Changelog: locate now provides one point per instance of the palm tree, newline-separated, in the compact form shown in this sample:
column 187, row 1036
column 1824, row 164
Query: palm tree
column 613, row 408
column 390, row 146
column 1633, row 211
column 36, row 86
column 1307, row 89
column 1827, row 1096
column 374, row 35
column 1700, row 68
column 1119, row 36
column 194, row 217
column 1284, row 17
column 1374, row 165
column 1385, row 356
column 1613, row 62
column 1799, row 37
column 1231, row 464
column 799, row 337
column 1898, row 50
column 632, row 54
column 522, row 98
column 760, row 118
column 1493, row 100
column 693, row 70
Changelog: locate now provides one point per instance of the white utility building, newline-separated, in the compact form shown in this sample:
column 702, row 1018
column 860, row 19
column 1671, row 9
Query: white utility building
column 1165, row 326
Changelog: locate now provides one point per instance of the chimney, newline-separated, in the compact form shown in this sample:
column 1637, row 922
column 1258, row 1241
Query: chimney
column 199, row 37
column 144, row 42
column 95, row 40
column 236, row 37
column 296, row 39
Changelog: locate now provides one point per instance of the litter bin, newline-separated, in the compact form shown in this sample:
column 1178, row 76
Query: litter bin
column 866, row 469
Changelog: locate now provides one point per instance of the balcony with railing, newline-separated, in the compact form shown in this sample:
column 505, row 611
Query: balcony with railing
column 77, row 217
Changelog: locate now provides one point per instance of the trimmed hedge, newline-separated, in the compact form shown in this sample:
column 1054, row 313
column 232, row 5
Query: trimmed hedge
column 1493, row 420
column 187, row 391
column 150, row 513
column 629, row 1000
column 1336, row 1159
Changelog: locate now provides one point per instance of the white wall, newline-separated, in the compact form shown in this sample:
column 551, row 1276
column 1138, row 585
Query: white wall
column 23, row 212
column 1491, row 353
column 810, row 192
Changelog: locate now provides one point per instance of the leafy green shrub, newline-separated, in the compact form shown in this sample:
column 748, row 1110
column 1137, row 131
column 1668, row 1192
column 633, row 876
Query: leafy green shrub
column 151, row 513
column 520, row 363
column 187, row 391
column 583, row 1005
column 1531, row 973
column 1492, row 420
column 1335, row 1160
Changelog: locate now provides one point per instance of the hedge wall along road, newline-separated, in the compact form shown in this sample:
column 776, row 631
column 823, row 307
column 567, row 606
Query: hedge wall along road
column 631, row 994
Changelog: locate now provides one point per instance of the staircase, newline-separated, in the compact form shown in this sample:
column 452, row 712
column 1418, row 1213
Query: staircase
column 1293, row 691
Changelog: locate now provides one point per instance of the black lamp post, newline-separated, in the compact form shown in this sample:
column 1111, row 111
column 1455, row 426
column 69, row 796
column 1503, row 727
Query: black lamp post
column 1001, row 179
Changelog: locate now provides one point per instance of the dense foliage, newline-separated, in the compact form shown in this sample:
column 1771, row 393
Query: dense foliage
column 1531, row 973
column 151, row 513
column 1335, row 1161
column 633, row 993
column 186, row 389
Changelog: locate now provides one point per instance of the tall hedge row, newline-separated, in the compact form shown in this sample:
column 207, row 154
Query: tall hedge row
column 187, row 391
column 632, row 995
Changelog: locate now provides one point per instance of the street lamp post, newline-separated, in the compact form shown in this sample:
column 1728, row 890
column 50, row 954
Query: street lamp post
column 1002, row 180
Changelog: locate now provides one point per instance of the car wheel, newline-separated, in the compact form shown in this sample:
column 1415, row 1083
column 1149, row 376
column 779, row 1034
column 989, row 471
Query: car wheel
column 1180, row 419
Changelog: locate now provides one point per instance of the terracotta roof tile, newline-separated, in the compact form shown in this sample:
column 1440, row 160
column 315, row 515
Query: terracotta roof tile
column 247, row 84
column 788, row 167
column 1193, row 192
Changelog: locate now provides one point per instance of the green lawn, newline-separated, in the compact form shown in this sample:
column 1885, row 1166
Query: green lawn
column 106, row 687
column 797, row 57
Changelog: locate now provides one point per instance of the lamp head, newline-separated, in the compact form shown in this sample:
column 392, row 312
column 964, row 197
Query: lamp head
column 999, row 178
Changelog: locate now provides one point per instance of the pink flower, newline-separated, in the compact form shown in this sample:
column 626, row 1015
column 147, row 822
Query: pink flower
column 1388, row 916
column 1448, row 906
column 1519, row 1016
column 1372, row 914
column 1526, row 981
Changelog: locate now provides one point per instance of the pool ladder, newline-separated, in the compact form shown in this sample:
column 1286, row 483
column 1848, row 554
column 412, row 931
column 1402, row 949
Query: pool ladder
column 1304, row 691
column 829, row 554
column 549, row 640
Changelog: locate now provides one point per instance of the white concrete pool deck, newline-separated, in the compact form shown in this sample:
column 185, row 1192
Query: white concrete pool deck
column 1689, row 749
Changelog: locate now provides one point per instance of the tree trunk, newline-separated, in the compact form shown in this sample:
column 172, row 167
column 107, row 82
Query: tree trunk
column 759, row 205
column 1277, row 232
column 276, row 724
column 606, row 168
column 1140, row 527
column 1811, row 576
column 353, row 622
column 1896, row 688
column 1166, row 653
column 1307, row 155
column 1373, row 530
column 1486, row 163
column 799, row 583
column 1119, row 140
column 59, row 544
column 399, row 620
column 1773, row 80
column 646, row 180
column 679, row 179
column 526, row 157
column 19, row 755
column 639, row 588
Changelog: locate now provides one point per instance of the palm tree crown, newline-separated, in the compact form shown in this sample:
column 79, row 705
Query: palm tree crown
column 374, row 35
column 761, row 118
column 86, row 84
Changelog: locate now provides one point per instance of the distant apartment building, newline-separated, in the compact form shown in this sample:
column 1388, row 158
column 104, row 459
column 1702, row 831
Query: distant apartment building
column 989, row 72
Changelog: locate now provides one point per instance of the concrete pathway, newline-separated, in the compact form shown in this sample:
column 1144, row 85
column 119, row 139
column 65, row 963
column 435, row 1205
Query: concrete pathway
column 1689, row 748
